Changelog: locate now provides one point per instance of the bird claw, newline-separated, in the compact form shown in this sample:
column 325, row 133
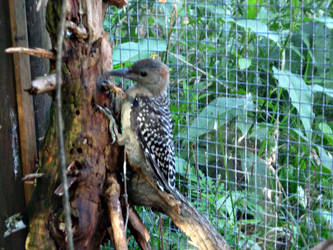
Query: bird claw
column 104, row 84
column 112, row 126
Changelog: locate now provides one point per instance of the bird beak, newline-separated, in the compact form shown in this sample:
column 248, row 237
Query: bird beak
column 119, row 72
column 126, row 73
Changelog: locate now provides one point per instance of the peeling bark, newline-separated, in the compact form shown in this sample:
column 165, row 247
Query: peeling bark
column 86, row 142
column 144, row 192
column 138, row 230
column 115, row 213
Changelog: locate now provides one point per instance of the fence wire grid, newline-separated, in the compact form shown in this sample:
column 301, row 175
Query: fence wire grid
column 251, row 90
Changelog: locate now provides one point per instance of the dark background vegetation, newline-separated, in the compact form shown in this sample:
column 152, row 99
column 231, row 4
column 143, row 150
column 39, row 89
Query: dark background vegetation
column 251, row 94
column 252, row 100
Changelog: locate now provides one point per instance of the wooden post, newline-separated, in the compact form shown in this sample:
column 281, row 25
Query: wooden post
column 26, row 119
column 11, row 186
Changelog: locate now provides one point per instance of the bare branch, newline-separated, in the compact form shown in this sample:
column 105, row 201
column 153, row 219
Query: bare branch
column 37, row 52
column 29, row 177
column 125, row 195
column 62, row 156
column 324, row 245
column 78, row 30
column 142, row 191
column 138, row 229
column 40, row 3
column 115, row 213
column 42, row 85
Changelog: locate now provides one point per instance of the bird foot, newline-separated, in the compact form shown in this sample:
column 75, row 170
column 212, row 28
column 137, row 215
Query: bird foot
column 113, row 128
column 104, row 85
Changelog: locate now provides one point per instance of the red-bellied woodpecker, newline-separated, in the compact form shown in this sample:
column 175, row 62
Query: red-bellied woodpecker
column 146, row 121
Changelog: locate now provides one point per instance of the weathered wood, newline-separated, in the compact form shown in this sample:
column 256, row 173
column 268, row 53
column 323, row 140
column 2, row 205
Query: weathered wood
column 42, row 84
column 24, row 100
column 324, row 245
column 115, row 214
column 138, row 230
column 37, row 52
column 87, row 142
column 144, row 192
column 39, row 38
column 12, row 191
column 79, row 30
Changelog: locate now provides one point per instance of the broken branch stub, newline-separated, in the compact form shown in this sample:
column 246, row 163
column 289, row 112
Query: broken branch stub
column 42, row 84
column 37, row 52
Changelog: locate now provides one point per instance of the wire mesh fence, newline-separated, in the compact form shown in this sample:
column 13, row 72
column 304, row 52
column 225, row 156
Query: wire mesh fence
column 251, row 89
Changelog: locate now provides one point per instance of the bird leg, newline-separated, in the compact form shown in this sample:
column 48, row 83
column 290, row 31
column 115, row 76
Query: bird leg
column 113, row 128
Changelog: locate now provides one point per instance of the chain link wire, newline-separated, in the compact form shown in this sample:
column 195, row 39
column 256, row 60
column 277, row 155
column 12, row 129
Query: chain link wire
column 251, row 91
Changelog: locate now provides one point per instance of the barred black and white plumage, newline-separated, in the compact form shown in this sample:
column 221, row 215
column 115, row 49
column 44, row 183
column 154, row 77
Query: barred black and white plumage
column 146, row 122
column 151, row 120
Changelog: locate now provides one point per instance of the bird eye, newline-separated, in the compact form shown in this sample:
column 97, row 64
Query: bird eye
column 143, row 73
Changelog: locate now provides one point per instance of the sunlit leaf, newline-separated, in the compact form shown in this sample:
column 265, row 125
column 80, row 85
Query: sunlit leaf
column 300, row 95
column 327, row 216
column 244, row 63
column 328, row 21
column 327, row 132
column 253, row 8
column 320, row 89
column 301, row 196
column 132, row 51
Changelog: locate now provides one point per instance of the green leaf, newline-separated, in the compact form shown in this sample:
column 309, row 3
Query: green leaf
column 228, row 206
column 132, row 51
column 259, row 28
column 124, row 52
column 328, row 21
column 181, row 165
column 295, row 9
column 319, row 89
column 295, row 3
column 327, row 132
column 214, row 9
column 253, row 9
column 153, row 45
column 221, row 108
column 325, row 128
column 244, row 122
column 244, row 63
column 261, row 131
column 256, row 171
column 301, row 196
column 327, row 216
column 300, row 95
column 325, row 157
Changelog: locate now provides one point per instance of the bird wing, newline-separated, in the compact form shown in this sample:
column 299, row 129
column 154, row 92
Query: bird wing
column 151, row 120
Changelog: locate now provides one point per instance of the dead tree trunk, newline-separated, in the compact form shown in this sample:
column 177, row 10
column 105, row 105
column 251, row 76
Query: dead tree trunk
column 87, row 54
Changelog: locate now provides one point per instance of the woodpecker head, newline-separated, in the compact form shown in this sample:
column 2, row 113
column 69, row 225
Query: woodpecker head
column 149, row 74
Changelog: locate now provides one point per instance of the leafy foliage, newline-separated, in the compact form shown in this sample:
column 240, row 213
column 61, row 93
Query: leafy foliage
column 252, row 98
